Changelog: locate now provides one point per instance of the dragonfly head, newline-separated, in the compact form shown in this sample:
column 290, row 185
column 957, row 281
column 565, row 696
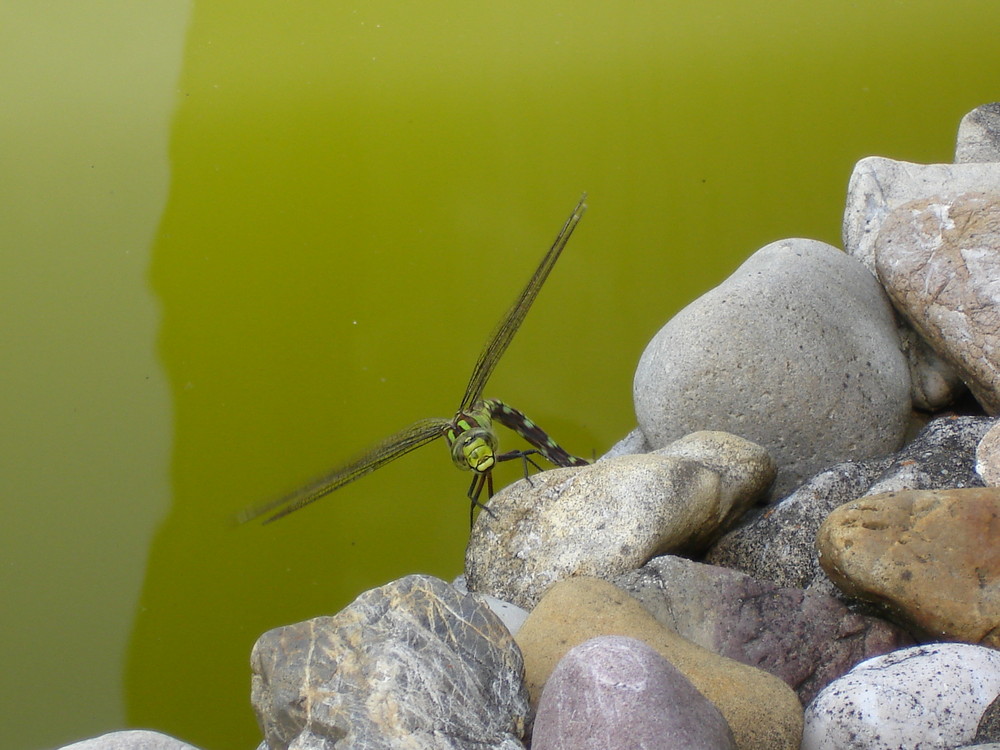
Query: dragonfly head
column 474, row 449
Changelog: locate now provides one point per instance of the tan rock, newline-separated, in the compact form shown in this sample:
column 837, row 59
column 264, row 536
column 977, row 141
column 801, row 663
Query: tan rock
column 930, row 557
column 939, row 260
column 762, row 711
column 611, row 517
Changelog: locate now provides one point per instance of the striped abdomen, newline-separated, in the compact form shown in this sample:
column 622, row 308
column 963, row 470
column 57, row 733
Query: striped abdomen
column 516, row 420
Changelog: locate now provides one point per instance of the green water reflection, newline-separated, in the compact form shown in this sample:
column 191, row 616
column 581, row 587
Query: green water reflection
column 243, row 241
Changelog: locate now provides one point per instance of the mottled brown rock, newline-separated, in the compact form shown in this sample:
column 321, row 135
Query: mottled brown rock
column 939, row 260
column 606, row 519
column 930, row 557
column 411, row 664
column 762, row 711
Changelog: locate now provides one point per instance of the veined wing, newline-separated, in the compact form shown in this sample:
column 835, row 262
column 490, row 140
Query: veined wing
column 417, row 434
column 508, row 326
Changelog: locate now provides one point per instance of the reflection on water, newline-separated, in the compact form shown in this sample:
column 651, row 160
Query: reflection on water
column 355, row 194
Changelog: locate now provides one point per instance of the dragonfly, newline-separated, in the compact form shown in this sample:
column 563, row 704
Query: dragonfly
column 470, row 434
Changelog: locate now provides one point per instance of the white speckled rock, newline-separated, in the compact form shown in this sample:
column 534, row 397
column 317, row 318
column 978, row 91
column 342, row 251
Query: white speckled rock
column 988, row 457
column 611, row 517
column 796, row 351
column 131, row 739
column 919, row 698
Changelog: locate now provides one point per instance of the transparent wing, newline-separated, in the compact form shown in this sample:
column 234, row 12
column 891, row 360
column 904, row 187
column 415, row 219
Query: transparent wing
column 418, row 434
column 505, row 331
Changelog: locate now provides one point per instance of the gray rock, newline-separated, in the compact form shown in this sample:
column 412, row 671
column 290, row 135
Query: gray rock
column 988, row 457
column 779, row 544
column 988, row 729
column 979, row 135
column 939, row 260
column 131, row 739
column 411, row 662
column 808, row 640
column 610, row 517
column 617, row 693
column 796, row 351
column 879, row 185
column 510, row 615
column 634, row 442
column 940, row 457
column 929, row 696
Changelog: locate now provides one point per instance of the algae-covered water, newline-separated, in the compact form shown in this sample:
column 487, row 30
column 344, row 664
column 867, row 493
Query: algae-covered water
column 242, row 241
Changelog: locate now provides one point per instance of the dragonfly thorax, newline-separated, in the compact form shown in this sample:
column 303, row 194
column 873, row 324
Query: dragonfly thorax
column 472, row 441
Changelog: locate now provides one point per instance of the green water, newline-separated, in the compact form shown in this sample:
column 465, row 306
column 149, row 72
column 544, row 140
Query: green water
column 241, row 241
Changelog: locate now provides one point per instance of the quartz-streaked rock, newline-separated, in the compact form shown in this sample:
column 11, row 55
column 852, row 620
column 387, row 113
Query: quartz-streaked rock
column 761, row 710
column 988, row 457
column 929, row 557
column 797, row 351
column 131, row 739
column 411, row 664
column 806, row 639
column 779, row 544
column 617, row 693
column 979, row 135
column 939, row 260
column 605, row 519
column 878, row 186
column 927, row 697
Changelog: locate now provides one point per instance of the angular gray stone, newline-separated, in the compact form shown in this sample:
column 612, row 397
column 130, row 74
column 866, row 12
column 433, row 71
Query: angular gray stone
column 605, row 519
column 411, row 664
column 806, row 639
column 779, row 544
column 131, row 739
column 796, row 351
column 979, row 135
column 939, row 260
column 929, row 696
column 878, row 186
column 617, row 693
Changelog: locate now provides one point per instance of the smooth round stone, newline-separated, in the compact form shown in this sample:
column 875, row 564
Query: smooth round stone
column 617, row 693
column 927, row 697
column 797, row 351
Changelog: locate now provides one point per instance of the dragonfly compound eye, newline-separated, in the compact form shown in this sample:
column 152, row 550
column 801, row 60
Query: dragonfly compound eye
column 475, row 449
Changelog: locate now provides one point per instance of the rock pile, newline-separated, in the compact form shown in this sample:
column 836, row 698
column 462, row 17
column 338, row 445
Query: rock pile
column 806, row 554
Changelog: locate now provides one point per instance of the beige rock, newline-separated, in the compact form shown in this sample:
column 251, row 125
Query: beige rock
column 611, row 517
column 930, row 557
column 762, row 711
column 939, row 260
column 988, row 457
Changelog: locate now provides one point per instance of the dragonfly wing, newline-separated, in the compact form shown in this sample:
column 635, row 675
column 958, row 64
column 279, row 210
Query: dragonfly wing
column 418, row 434
column 508, row 326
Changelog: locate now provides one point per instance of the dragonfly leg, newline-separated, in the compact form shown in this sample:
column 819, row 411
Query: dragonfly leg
column 475, row 490
column 525, row 456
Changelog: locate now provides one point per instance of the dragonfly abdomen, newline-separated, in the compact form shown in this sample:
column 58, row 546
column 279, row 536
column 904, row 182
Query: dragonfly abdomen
column 516, row 420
